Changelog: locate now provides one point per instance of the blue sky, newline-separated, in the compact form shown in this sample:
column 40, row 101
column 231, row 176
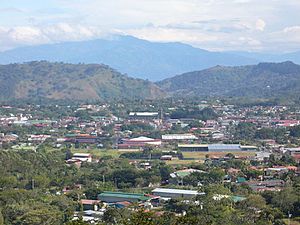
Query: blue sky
column 221, row 25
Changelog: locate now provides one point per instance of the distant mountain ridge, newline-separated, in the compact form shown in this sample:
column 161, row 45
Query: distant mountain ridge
column 61, row 81
column 262, row 80
column 139, row 58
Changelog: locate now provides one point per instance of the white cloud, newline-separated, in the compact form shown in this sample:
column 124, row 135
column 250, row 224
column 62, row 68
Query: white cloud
column 294, row 29
column 260, row 25
column 34, row 35
column 211, row 24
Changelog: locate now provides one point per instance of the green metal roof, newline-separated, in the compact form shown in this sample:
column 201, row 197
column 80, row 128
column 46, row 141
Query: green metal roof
column 241, row 179
column 124, row 195
column 71, row 135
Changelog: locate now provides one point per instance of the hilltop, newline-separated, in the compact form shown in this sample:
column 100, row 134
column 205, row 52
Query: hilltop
column 262, row 80
column 61, row 81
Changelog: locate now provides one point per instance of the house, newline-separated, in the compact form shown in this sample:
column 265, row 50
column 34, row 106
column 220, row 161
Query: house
column 82, row 138
column 90, row 204
column 68, row 189
column 166, row 157
column 175, row 193
column 38, row 138
column 138, row 142
column 261, row 156
column 295, row 153
column 266, row 185
column 83, row 157
column 113, row 197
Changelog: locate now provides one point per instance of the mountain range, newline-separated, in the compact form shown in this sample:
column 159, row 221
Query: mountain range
column 138, row 58
column 97, row 82
column 265, row 80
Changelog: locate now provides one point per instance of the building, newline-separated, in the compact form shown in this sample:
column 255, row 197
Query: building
column 178, row 137
column 89, row 204
column 83, row 157
column 144, row 115
column 295, row 153
column 112, row 197
column 266, row 185
column 215, row 148
column 38, row 138
column 175, row 193
column 166, row 157
column 82, row 138
column 138, row 142
column 193, row 147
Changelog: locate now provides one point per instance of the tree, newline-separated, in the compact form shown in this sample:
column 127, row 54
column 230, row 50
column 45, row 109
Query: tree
column 8, row 182
column 285, row 200
column 140, row 218
column 77, row 222
column 114, row 216
column 254, row 201
column 1, row 219
column 295, row 131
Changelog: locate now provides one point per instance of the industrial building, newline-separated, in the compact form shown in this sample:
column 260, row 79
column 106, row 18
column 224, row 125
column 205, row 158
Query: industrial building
column 175, row 193
column 111, row 197
column 215, row 148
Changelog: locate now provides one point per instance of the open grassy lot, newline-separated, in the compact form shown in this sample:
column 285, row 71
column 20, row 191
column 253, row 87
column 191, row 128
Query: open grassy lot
column 115, row 153
column 202, row 155
column 182, row 162
column 99, row 152
column 292, row 222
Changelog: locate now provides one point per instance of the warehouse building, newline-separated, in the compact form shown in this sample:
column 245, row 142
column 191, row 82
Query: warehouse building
column 175, row 193
column 112, row 197
column 215, row 148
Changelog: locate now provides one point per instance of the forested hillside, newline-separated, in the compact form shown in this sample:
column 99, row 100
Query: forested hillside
column 262, row 80
column 44, row 80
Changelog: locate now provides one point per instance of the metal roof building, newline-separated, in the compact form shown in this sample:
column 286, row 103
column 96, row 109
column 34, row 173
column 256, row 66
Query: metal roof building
column 175, row 193
column 215, row 148
column 111, row 197
column 224, row 148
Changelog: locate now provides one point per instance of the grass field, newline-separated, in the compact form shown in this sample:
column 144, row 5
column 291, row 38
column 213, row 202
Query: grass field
column 115, row 153
column 99, row 152
column 192, row 157
column 202, row 155
column 292, row 222
column 182, row 162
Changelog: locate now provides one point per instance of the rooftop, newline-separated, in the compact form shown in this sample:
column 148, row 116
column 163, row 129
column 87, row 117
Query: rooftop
column 176, row 191
column 124, row 195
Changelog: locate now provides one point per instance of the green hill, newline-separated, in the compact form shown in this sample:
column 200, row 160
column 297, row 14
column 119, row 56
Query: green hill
column 265, row 80
column 59, row 81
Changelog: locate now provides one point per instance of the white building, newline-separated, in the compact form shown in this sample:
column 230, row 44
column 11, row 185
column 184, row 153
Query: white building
column 176, row 137
column 175, row 193
column 83, row 157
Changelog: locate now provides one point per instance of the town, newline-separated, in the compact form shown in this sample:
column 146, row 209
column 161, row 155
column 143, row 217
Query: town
column 121, row 162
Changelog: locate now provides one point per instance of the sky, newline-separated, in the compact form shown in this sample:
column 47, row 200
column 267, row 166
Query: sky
column 217, row 25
